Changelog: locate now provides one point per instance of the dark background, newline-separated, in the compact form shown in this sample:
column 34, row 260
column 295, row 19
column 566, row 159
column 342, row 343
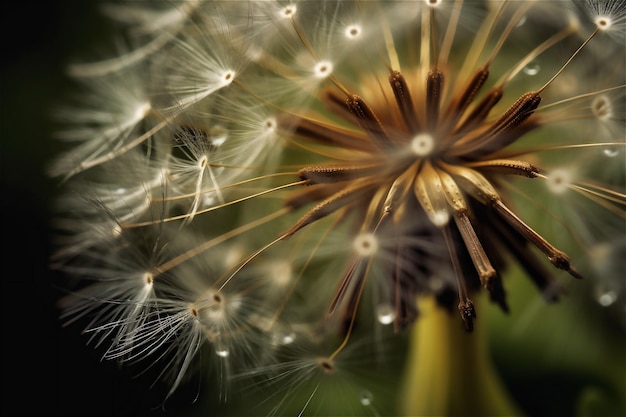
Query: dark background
column 47, row 370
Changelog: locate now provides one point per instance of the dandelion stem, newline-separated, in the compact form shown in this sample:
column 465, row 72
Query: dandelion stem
column 448, row 372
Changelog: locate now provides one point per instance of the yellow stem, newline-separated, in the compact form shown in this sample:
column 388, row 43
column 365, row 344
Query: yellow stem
column 449, row 372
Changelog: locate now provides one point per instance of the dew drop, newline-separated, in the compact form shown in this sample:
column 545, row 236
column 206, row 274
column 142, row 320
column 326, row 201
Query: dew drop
column 282, row 338
column 366, row 398
column 433, row 3
column 222, row 353
column 610, row 152
column 385, row 314
column 440, row 218
column 531, row 69
column 521, row 21
column 208, row 201
column 606, row 298
column 288, row 338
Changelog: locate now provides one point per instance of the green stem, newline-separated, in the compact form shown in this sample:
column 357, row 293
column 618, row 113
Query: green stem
column 448, row 372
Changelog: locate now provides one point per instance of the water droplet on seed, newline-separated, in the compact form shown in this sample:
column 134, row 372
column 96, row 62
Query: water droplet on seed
column 385, row 314
column 366, row 398
column 222, row 353
column 610, row 152
column 606, row 298
column 288, row 338
column 531, row 69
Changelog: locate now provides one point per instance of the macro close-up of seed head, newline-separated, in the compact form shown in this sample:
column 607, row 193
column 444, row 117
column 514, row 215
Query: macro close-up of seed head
column 349, row 207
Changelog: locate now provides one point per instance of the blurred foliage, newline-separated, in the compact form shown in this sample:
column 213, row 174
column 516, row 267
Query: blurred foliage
column 563, row 359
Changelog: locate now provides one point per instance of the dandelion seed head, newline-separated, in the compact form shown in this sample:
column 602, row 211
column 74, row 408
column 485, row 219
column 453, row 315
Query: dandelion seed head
column 365, row 244
column 202, row 162
column 270, row 125
column 261, row 180
column 148, row 279
column 216, row 309
column 559, row 180
column 353, row 31
column 326, row 365
column 603, row 22
column 288, row 12
column 227, row 77
column 433, row 3
column 323, row 69
column 423, row 144
column 608, row 16
column 610, row 152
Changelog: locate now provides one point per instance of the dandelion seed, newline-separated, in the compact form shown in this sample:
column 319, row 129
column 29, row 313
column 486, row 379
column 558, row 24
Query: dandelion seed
column 365, row 244
column 288, row 11
column 559, row 181
column 422, row 144
column 323, row 69
column 353, row 31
